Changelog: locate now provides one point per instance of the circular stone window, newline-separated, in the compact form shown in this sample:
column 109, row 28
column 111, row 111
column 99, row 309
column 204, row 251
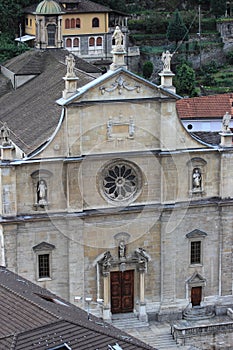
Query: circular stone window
column 121, row 181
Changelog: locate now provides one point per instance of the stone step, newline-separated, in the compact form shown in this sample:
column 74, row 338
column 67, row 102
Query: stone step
column 164, row 341
column 129, row 323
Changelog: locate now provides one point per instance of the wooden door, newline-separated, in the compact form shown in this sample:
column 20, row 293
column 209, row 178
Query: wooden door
column 196, row 295
column 122, row 291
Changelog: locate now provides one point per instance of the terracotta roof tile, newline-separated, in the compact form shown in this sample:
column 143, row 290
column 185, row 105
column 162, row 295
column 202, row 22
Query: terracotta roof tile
column 212, row 106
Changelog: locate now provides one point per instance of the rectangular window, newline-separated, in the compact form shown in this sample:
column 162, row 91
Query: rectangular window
column 43, row 266
column 196, row 252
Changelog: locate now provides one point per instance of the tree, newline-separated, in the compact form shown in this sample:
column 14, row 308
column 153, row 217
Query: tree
column 218, row 7
column 147, row 69
column 11, row 15
column 184, row 80
column 177, row 30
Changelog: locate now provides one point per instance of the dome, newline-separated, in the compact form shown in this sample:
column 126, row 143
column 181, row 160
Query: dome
column 48, row 7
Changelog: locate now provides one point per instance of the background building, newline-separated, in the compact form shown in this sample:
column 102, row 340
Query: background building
column 84, row 28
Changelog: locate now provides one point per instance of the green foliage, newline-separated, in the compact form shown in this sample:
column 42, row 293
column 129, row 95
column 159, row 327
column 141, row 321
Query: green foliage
column 156, row 24
column 9, row 49
column 229, row 57
column 177, row 30
column 218, row 7
column 147, row 69
column 11, row 15
column 185, row 80
column 211, row 67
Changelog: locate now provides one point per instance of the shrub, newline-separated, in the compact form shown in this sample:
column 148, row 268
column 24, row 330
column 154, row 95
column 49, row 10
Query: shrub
column 147, row 69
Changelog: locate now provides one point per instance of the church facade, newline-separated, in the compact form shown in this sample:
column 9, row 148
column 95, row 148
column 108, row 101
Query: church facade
column 120, row 204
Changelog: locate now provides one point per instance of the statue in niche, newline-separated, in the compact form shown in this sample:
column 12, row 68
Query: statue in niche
column 166, row 59
column 42, row 192
column 226, row 122
column 197, row 178
column 70, row 63
column 118, row 36
column 122, row 250
column 5, row 133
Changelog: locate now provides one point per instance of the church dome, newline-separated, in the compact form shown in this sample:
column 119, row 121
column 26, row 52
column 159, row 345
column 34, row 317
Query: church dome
column 48, row 7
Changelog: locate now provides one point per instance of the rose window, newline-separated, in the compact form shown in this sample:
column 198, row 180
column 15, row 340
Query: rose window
column 120, row 181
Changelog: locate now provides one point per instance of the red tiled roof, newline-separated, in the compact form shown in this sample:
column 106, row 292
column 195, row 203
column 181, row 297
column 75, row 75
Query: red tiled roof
column 212, row 106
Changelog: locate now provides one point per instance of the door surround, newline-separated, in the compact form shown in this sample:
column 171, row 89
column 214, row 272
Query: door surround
column 195, row 281
column 136, row 262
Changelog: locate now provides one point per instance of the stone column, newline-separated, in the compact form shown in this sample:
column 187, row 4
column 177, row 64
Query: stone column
column 142, row 305
column 59, row 36
column 106, row 305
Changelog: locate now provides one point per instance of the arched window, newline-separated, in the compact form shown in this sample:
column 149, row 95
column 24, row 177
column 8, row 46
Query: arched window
column 99, row 41
column 68, row 42
column 95, row 22
column 51, row 30
column 78, row 23
column 72, row 23
column 76, row 42
column 67, row 23
column 91, row 41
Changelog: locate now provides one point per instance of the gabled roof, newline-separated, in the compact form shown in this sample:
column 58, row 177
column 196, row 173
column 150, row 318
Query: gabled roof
column 30, row 111
column 212, row 106
column 34, row 318
column 110, row 74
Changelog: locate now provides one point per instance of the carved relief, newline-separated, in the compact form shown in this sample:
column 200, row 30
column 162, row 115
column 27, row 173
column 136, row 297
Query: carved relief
column 120, row 84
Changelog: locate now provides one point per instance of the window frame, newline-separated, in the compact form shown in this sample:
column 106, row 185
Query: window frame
column 95, row 22
column 78, row 23
column 195, row 259
column 67, row 23
column 44, row 266
column 41, row 249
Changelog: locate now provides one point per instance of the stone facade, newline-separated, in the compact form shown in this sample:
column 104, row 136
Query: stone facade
column 119, row 196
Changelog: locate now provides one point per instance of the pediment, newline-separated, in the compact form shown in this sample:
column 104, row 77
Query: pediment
column 43, row 246
column 196, row 278
column 196, row 233
column 117, row 85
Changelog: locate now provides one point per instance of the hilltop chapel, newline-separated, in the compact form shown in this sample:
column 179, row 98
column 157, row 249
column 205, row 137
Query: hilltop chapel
column 105, row 194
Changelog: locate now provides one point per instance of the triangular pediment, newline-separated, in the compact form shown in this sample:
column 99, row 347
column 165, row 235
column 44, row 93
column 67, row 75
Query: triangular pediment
column 196, row 233
column 117, row 85
column 43, row 246
column 196, row 278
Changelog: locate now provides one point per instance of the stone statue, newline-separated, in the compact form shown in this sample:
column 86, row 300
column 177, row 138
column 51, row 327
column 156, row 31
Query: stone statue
column 5, row 133
column 226, row 122
column 70, row 62
column 166, row 59
column 196, row 179
column 118, row 36
column 42, row 192
column 122, row 250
